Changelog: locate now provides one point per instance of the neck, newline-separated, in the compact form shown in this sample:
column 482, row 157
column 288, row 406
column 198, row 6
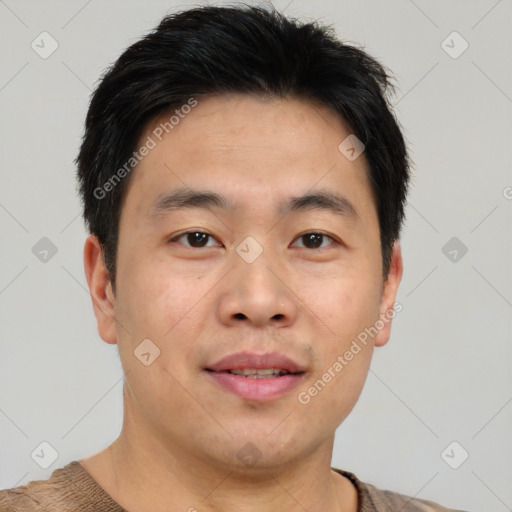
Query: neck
column 142, row 472
column 191, row 487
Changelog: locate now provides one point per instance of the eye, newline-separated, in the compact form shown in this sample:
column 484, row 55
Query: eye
column 313, row 240
column 196, row 239
column 199, row 239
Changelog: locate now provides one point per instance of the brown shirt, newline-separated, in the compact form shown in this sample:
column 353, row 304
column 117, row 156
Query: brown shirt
column 73, row 489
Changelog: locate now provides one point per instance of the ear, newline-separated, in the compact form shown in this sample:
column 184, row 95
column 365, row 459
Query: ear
column 386, row 313
column 100, row 289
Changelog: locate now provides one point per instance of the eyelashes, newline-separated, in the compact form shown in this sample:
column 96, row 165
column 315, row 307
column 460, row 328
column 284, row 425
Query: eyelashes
column 197, row 237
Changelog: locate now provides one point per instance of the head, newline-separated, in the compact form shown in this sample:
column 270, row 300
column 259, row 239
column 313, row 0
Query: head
column 258, row 116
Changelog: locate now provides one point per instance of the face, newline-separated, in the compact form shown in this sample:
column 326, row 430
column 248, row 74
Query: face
column 282, row 272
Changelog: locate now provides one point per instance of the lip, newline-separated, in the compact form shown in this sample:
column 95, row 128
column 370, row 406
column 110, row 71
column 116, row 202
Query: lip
column 256, row 389
column 242, row 360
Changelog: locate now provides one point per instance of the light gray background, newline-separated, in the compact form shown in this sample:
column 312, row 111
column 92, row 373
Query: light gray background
column 446, row 373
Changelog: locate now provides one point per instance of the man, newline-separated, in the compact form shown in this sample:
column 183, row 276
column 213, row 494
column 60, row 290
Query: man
column 243, row 180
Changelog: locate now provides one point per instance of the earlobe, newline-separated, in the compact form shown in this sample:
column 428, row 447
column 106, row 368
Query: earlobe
column 100, row 289
column 389, row 293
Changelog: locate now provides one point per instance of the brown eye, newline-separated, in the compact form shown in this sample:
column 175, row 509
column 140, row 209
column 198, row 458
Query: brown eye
column 314, row 240
column 196, row 239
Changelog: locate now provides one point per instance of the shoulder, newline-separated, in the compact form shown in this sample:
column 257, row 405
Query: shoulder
column 63, row 491
column 387, row 501
column 373, row 499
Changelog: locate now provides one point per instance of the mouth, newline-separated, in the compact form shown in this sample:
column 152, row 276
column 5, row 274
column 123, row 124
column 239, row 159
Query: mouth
column 257, row 377
column 264, row 373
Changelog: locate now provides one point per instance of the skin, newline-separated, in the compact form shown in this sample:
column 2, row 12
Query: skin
column 181, row 431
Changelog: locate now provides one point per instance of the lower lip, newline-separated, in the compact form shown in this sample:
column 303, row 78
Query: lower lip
column 258, row 389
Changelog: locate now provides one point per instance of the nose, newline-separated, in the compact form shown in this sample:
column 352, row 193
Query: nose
column 258, row 294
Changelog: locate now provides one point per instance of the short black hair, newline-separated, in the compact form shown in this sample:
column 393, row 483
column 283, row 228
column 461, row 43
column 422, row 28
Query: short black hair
column 236, row 49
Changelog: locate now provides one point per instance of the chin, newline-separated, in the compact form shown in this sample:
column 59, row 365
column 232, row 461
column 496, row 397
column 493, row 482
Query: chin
column 258, row 449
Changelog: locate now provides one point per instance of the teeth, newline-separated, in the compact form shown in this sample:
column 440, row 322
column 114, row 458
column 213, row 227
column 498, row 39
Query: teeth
column 259, row 374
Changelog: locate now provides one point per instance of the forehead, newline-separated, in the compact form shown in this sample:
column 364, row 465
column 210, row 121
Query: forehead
column 249, row 147
column 288, row 126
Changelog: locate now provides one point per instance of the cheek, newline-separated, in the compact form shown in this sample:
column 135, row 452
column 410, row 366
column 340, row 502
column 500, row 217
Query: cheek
column 158, row 306
column 345, row 355
column 153, row 299
column 169, row 308
column 333, row 391
column 345, row 306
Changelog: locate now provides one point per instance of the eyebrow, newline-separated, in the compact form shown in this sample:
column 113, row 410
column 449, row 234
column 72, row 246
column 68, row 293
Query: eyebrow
column 184, row 198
